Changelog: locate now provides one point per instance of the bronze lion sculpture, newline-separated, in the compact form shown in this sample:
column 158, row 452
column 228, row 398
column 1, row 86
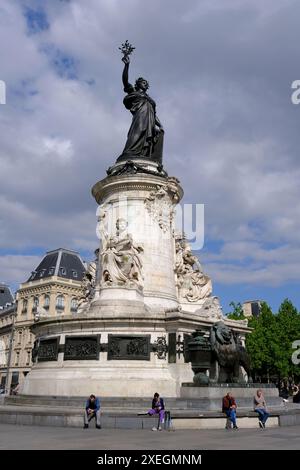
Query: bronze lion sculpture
column 228, row 355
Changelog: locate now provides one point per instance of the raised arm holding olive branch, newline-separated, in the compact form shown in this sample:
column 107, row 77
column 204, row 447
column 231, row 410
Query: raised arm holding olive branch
column 145, row 136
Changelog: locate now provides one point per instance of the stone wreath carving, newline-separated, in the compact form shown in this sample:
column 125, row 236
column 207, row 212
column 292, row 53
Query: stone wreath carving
column 160, row 204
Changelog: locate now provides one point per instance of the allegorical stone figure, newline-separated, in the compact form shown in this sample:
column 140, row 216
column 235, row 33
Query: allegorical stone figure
column 121, row 262
column 193, row 285
column 145, row 136
column 88, row 283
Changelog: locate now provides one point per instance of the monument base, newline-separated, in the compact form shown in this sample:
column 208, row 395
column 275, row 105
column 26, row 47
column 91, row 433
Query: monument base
column 210, row 397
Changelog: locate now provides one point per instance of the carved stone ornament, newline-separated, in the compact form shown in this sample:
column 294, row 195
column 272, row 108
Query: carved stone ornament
column 160, row 347
column 160, row 204
column 81, row 348
column 192, row 284
column 128, row 347
column 131, row 168
column 48, row 350
column 212, row 308
column 88, row 284
column 121, row 259
column 40, row 313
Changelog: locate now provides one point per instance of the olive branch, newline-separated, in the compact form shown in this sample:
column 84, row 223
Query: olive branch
column 126, row 48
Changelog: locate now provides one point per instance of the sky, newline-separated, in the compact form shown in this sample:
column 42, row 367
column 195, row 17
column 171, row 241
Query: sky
column 220, row 72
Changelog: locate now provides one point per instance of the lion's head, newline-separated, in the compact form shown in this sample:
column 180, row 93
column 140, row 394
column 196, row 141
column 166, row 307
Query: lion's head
column 223, row 333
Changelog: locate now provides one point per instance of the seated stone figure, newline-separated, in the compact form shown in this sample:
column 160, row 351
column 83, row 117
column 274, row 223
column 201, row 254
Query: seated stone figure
column 121, row 262
column 193, row 285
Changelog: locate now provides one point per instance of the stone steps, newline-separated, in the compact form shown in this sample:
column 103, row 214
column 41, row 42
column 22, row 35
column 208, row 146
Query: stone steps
column 127, row 418
column 143, row 403
column 114, row 418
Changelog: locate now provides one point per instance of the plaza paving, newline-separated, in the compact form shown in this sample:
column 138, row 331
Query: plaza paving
column 34, row 437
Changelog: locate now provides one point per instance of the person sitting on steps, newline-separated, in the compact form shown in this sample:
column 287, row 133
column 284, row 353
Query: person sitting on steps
column 158, row 407
column 229, row 408
column 260, row 407
column 92, row 410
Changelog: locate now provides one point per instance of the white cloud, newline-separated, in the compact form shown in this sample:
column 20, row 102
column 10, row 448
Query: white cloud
column 15, row 269
column 231, row 131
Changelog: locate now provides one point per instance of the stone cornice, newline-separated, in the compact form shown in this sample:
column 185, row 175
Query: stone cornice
column 48, row 282
column 168, row 321
column 48, row 288
column 137, row 182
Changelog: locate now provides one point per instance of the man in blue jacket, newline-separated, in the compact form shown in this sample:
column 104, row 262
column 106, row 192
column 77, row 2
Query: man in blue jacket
column 92, row 410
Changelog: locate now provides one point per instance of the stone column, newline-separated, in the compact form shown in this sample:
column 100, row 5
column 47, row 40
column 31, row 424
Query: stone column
column 146, row 202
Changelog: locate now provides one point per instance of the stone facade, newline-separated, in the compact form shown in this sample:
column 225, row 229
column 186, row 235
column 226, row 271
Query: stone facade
column 44, row 295
column 7, row 319
column 251, row 308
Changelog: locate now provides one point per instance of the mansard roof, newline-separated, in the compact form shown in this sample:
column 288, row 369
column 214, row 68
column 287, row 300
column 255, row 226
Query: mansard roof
column 63, row 263
column 6, row 297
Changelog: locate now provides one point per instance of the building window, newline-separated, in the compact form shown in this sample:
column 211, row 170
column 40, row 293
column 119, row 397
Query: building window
column 63, row 271
column 19, row 337
column 17, row 358
column 35, row 304
column 42, row 272
column 46, row 302
column 74, row 273
column 74, row 305
column 60, row 302
column 51, row 271
column 25, row 304
column 33, row 274
column 28, row 358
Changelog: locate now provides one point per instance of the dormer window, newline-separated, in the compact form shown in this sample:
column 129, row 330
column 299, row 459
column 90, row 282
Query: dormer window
column 42, row 272
column 33, row 274
column 63, row 271
column 51, row 271
column 74, row 273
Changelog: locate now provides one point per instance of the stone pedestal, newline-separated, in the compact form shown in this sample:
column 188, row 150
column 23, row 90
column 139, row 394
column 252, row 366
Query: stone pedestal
column 147, row 203
column 209, row 398
column 127, row 339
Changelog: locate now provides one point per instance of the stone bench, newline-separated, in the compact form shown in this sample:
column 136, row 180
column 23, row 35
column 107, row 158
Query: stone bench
column 130, row 419
column 218, row 420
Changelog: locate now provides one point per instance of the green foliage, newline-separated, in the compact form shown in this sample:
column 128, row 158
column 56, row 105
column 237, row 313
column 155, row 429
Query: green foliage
column 238, row 313
column 270, row 343
column 288, row 330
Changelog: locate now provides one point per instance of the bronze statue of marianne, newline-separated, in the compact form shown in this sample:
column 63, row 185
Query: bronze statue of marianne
column 145, row 136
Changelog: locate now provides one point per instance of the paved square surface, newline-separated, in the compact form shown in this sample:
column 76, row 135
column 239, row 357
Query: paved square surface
column 34, row 437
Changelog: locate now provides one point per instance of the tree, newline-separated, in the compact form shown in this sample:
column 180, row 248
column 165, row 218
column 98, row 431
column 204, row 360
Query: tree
column 260, row 343
column 238, row 313
column 287, row 331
